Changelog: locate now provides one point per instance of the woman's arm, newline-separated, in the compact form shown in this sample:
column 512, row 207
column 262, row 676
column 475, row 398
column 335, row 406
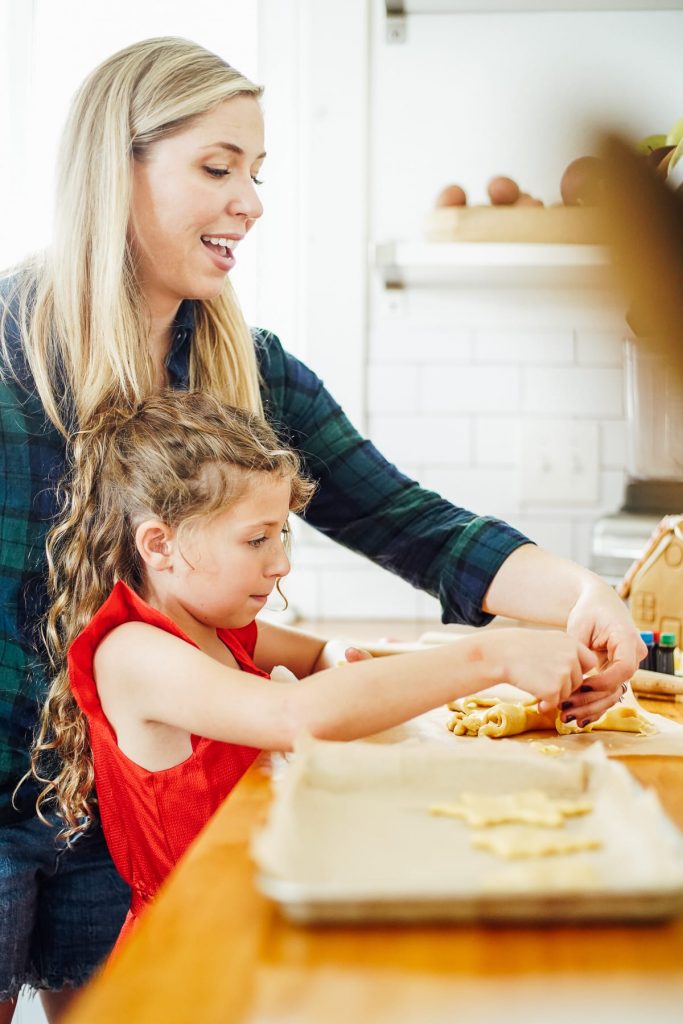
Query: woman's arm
column 158, row 677
column 477, row 566
column 369, row 506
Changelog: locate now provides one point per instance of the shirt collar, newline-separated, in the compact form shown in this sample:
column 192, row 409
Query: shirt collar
column 178, row 358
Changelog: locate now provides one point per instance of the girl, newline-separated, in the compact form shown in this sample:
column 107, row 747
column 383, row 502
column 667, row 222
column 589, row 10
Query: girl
column 172, row 539
column 159, row 170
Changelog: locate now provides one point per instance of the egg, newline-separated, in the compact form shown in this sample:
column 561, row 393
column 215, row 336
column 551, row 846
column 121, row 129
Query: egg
column 452, row 195
column 503, row 191
column 526, row 200
column 582, row 182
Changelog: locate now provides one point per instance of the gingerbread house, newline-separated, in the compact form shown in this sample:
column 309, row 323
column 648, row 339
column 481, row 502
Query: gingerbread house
column 654, row 583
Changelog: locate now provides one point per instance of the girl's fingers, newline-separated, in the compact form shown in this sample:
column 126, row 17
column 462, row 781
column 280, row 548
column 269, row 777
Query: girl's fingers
column 356, row 654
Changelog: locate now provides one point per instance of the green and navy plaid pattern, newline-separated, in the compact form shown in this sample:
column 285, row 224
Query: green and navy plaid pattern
column 362, row 502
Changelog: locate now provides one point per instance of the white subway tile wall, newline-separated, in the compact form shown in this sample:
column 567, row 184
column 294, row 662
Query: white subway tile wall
column 458, row 382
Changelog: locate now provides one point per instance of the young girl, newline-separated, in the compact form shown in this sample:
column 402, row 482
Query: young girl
column 172, row 539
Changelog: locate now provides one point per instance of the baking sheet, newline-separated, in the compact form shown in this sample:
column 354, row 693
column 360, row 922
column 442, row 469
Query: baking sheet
column 350, row 837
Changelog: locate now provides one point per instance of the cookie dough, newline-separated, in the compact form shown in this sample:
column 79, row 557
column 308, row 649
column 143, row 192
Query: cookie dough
column 511, row 842
column 486, row 715
column 620, row 718
column 527, row 806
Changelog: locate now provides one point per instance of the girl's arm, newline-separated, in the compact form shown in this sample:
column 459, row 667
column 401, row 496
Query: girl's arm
column 161, row 678
column 302, row 653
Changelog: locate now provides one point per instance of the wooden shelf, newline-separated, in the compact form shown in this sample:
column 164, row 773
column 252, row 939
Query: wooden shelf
column 403, row 264
column 398, row 8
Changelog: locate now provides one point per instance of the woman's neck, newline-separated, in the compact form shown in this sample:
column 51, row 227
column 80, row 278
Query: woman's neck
column 159, row 340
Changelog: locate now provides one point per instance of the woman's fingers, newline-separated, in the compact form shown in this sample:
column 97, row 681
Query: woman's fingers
column 587, row 704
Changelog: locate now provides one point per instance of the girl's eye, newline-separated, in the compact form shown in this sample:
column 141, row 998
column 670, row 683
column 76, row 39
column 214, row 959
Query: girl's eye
column 217, row 172
column 257, row 181
column 257, row 542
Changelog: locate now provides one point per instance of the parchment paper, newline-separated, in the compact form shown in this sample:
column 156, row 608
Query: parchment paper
column 667, row 741
column 354, row 817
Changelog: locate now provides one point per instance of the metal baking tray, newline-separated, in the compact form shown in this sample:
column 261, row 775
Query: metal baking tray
column 349, row 839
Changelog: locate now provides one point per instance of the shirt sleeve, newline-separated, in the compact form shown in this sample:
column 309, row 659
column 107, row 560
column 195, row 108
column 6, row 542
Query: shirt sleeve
column 366, row 504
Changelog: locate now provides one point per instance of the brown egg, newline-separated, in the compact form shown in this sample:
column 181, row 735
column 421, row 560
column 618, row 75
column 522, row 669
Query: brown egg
column 582, row 182
column 452, row 195
column 526, row 200
column 503, row 191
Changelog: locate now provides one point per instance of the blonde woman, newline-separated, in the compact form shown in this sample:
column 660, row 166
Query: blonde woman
column 157, row 187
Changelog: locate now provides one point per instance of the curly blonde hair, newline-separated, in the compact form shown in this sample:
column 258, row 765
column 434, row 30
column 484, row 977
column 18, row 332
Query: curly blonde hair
column 178, row 456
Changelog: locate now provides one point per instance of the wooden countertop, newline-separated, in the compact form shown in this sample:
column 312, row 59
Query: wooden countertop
column 212, row 949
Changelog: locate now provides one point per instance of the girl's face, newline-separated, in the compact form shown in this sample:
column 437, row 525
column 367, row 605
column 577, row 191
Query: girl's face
column 224, row 570
column 190, row 191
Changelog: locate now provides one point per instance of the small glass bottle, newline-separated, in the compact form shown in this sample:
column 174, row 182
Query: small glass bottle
column 665, row 653
column 648, row 639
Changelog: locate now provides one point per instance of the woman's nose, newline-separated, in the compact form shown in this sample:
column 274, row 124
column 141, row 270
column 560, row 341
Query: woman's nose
column 246, row 202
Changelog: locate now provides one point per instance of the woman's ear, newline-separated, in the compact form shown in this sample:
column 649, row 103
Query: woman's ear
column 154, row 542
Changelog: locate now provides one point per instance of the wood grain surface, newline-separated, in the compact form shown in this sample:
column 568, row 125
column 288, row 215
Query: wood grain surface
column 212, row 949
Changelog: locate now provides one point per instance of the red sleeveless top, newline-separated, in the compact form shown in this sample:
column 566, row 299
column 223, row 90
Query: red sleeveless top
column 149, row 818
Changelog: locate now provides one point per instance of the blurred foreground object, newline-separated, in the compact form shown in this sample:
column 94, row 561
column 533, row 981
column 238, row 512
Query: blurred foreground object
column 644, row 227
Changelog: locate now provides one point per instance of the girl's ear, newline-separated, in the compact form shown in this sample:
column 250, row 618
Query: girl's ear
column 154, row 541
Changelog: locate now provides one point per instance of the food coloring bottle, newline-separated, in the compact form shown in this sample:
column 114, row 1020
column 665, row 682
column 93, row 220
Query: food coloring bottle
column 665, row 653
column 648, row 661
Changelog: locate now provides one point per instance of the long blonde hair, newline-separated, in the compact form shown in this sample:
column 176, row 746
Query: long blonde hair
column 180, row 457
column 79, row 307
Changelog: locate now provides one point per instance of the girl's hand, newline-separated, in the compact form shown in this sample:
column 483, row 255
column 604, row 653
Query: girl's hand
column 339, row 652
column 548, row 664
column 356, row 654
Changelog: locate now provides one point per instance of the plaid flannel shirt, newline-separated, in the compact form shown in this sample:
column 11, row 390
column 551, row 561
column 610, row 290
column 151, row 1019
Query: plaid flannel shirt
column 362, row 501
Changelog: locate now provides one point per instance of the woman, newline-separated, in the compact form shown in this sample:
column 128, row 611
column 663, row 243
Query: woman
column 157, row 186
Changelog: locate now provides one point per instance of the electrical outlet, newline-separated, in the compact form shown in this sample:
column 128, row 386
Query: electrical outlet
column 560, row 462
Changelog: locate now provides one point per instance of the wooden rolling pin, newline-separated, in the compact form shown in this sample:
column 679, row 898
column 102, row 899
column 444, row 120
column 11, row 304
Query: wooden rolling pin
column 657, row 684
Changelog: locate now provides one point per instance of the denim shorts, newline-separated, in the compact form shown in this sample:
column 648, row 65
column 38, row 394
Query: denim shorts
column 61, row 908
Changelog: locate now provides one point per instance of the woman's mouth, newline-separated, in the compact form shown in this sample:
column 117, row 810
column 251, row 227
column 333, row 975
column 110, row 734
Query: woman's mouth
column 221, row 250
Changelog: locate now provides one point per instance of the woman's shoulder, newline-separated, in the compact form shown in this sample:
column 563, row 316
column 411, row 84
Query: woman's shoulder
column 285, row 379
column 17, row 289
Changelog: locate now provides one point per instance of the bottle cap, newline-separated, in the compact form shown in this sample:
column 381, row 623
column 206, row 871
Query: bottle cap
column 647, row 637
column 656, row 636
column 667, row 640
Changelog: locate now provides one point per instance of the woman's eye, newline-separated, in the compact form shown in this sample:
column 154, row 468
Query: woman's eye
column 257, row 181
column 257, row 542
column 217, row 172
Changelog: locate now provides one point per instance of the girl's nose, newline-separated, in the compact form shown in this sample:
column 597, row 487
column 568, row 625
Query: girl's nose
column 280, row 565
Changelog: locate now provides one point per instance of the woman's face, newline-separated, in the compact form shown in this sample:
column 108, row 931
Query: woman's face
column 194, row 199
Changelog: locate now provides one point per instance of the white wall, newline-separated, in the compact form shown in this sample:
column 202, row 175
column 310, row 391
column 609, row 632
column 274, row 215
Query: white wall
column 460, row 381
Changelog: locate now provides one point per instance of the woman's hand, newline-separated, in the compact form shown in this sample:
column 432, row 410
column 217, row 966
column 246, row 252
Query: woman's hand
column 546, row 663
column 600, row 620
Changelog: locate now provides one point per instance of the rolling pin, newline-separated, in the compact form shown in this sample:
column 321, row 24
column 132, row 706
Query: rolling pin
column 657, row 684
